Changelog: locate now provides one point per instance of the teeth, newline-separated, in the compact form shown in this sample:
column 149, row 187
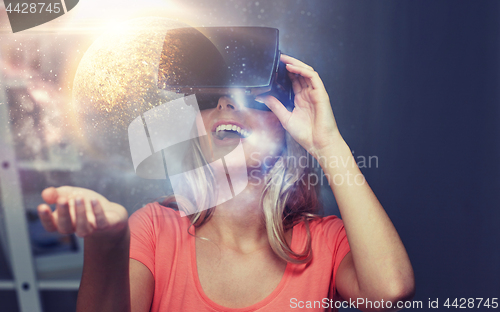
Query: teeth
column 243, row 132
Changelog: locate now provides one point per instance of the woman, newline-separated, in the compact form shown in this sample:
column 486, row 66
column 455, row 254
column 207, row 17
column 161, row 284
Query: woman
column 237, row 257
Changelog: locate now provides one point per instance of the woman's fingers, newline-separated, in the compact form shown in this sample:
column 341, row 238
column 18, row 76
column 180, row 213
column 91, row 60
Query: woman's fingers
column 100, row 217
column 307, row 75
column 64, row 222
column 277, row 108
column 311, row 77
column 47, row 218
column 303, row 82
column 82, row 224
column 80, row 211
column 296, row 86
column 50, row 195
column 291, row 60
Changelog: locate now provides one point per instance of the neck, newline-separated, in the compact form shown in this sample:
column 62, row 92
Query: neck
column 239, row 223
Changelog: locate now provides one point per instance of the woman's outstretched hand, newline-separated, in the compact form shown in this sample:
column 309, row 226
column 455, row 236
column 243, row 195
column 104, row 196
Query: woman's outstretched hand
column 311, row 123
column 81, row 211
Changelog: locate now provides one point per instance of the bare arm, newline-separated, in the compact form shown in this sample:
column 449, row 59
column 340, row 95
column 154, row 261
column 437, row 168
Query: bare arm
column 105, row 278
column 378, row 266
column 110, row 280
column 110, row 277
column 142, row 286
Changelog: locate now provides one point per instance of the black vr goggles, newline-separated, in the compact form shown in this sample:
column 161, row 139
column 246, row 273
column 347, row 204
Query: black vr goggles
column 234, row 61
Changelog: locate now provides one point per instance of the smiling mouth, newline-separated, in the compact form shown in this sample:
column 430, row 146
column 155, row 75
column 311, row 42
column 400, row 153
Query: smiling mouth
column 230, row 131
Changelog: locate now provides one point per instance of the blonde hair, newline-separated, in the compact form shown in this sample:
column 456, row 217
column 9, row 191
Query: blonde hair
column 286, row 199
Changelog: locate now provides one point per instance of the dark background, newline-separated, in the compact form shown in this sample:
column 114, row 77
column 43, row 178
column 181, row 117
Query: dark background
column 416, row 84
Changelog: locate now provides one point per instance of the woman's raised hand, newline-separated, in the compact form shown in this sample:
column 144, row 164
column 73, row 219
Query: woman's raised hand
column 81, row 211
column 311, row 123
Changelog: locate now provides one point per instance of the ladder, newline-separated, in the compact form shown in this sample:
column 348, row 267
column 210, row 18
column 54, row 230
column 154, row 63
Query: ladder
column 14, row 225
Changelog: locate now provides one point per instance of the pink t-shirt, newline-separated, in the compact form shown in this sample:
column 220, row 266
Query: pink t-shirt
column 160, row 240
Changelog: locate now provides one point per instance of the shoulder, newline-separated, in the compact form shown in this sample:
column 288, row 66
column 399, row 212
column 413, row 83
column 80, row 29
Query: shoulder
column 325, row 231
column 155, row 209
column 157, row 217
column 157, row 234
column 328, row 225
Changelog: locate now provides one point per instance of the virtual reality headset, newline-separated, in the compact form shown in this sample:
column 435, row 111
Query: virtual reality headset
column 234, row 61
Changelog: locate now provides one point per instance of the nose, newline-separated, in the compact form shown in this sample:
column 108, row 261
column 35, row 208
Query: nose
column 228, row 103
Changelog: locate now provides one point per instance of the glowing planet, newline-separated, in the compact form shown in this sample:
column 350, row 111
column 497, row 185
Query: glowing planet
column 116, row 79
